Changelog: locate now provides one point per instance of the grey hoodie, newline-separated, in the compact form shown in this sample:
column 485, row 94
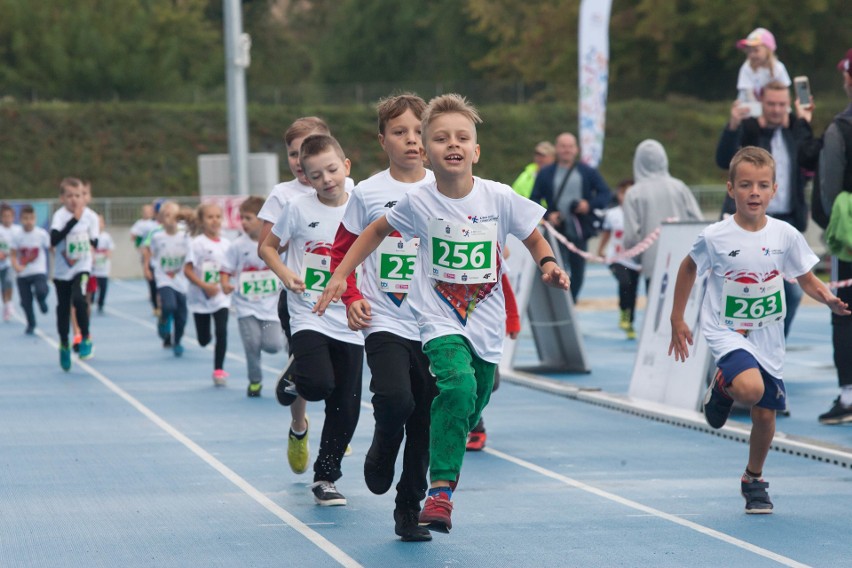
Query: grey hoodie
column 655, row 197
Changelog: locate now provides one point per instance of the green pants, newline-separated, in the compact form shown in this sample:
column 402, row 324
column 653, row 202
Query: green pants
column 464, row 384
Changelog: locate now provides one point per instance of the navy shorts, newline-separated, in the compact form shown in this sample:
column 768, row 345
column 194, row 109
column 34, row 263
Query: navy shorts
column 739, row 360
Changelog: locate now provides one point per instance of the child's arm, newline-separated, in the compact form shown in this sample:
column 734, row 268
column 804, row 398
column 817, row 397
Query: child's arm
column 269, row 254
column 813, row 287
column 358, row 311
column 513, row 319
column 680, row 331
column 225, row 282
column 540, row 250
column 13, row 256
column 605, row 235
column 146, row 263
column 210, row 289
column 364, row 245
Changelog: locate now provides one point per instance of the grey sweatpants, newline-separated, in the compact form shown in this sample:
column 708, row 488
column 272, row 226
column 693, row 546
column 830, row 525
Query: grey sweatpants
column 259, row 335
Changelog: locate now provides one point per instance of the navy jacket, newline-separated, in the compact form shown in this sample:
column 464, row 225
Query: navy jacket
column 595, row 191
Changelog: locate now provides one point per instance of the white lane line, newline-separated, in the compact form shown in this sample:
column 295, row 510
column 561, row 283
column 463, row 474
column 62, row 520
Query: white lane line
column 321, row 542
column 648, row 510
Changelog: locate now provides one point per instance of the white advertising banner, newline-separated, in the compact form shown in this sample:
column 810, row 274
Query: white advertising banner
column 593, row 77
column 656, row 375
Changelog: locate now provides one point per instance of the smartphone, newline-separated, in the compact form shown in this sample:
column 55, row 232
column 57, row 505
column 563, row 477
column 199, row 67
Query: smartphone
column 803, row 90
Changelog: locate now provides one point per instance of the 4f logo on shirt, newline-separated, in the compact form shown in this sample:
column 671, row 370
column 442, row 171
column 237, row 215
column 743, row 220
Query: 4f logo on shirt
column 734, row 252
column 313, row 225
column 390, row 204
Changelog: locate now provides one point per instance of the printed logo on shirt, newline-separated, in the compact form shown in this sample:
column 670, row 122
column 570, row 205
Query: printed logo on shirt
column 734, row 252
column 766, row 251
column 390, row 204
column 314, row 224
column 482, row 218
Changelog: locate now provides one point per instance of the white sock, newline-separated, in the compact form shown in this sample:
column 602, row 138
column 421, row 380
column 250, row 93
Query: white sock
column 846, row 395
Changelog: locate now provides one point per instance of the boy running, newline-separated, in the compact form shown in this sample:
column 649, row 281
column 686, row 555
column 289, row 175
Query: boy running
column 29, row 259
column 102, row 264
column 748, row 255
column 8, row 232
column 456, row 296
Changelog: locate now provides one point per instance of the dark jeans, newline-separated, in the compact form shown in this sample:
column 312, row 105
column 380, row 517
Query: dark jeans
column 28, row 286
column 173, row 303
column 70, row 292
column 103, row 282
column 330, row 370
column 628, row 285
column 841, row 326
column 403, row 390
column 202, row 330
column 152, row 289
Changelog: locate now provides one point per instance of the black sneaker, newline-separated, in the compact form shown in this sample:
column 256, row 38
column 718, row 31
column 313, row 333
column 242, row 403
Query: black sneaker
column 407, row 526
column 326, row 494
column 285, row 390
column 42, row 305
column 837, row 414
column 717, row 404
column 756, row 497
column 254, row 390
column 380, row 461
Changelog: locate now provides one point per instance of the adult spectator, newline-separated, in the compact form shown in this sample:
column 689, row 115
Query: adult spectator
column 543, row 155
column 835, row 175
column 571, row 191
column 654, row 197
column 783, row 134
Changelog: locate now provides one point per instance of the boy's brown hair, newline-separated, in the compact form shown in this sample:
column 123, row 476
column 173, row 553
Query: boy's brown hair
column 69, row 182
column 303, row 126
column 27, row 210
column 396, row 105
column 757, row 157
column 5, row 207
column 252, row 205
column 449, row 103
column 316, row 144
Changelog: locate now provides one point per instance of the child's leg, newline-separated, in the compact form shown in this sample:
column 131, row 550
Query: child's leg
column 762, row 432
column 80, row 301
column 311, row 369
column 152, row 290
column 411, row 488
column 63, row 309
column 455, row 406
column 271, row 338
column 220, row 318
column 631, row 290
column 25, row 294
column 202, row 328
column 168, row 308
column 251, row 335
column 103, row 282
column 485, row 373
column 180, row 317
column 39, row 282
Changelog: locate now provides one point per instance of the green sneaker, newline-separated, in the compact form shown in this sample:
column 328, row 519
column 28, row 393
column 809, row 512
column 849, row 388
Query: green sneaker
column 87, row 351
column 298, row 452
column 624, row 322
column 254, row 390
column 65, row 357
column 631, row 333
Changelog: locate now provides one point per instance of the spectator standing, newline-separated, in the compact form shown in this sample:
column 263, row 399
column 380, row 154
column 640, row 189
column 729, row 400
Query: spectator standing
column 543, row 155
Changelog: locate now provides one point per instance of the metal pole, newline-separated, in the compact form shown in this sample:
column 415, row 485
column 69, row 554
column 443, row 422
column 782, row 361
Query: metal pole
column 237, row 47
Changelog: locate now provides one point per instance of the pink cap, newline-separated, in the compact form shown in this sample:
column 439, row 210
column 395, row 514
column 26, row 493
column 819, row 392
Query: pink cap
column 845, row 64
column 759, row 36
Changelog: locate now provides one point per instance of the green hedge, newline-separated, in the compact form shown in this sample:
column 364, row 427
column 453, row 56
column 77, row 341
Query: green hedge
column 152, row 149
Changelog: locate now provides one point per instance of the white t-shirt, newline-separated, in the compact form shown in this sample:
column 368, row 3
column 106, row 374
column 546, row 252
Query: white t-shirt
column 101, row 263
column 476, row 312
column 732, row 253
column 73, row 254
column 256, row 287
column 753, row 81
column 309, row 226
column 168, row 255
column 614, row 223
column 7, row 240
column 31, row 247
column 140, row 230
column 370, row 200
column 207, row 257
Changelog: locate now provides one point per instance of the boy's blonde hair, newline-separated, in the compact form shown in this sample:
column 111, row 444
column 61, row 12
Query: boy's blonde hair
column 252, row 205
column 757, row 157
column 396, row 105
column 449, row 103
column 303, row 126
column 68, row 183
column 316, row 144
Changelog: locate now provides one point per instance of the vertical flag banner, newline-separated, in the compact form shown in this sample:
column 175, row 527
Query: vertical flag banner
column 593, row 56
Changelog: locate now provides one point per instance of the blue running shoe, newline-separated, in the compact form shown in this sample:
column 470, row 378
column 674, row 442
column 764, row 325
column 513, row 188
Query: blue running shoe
column 87, row 350
column 178, row 350
column 717, row 403
column 65, row 357
column 756, row 497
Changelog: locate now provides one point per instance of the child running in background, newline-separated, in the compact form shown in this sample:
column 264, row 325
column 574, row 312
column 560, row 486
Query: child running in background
column 254, row 294
column 8, row 232
column 760, row 67
column 402, row 387
column 91, row 283
column 29, row 259
column 102, row 264
column 327, row 356
column 457, row 293
column 139, row 233
column 205, row 298
column 748, row 255
column 626, row 271
column 74, row 231
column 165, row 250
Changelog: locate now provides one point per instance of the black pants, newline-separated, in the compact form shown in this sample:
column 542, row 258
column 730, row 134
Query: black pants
column 103, row 282
column 403, row 390
column 152, row 289
column 284, row 314
column 841, row 326
column 628, row 286
column 70, row 292
column 576, row 266
column 202, row 330
column 35, row 284
column 330, row 370
column 173, row 303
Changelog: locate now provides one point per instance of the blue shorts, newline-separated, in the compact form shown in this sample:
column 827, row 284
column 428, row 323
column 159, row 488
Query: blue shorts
column 733, row 363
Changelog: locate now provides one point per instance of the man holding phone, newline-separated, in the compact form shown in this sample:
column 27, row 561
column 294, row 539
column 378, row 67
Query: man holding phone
column 782, row 134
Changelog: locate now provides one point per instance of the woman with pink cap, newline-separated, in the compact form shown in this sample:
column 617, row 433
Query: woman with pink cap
column 760, row 67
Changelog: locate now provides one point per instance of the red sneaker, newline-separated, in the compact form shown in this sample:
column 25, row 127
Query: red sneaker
column 475, row 441
column 436, row 513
